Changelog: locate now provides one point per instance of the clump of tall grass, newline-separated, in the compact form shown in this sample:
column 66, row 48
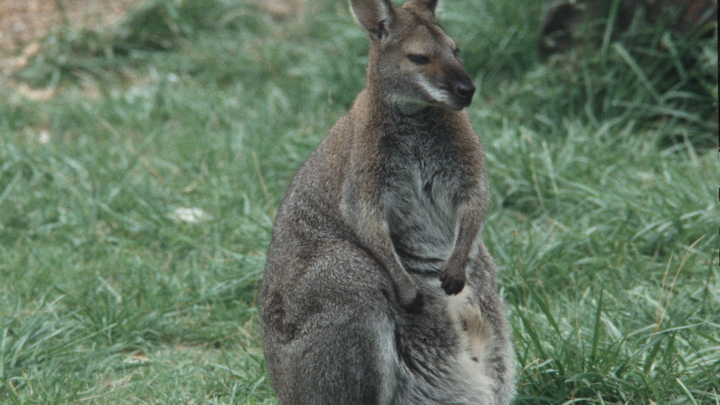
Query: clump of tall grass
column 647, row 74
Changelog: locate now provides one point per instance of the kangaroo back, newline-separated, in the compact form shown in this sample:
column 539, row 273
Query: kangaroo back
column 378, row 288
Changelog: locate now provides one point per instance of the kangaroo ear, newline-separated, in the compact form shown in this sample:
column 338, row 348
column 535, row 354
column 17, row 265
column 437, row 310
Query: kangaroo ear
column 376, row 16
column 422, row 6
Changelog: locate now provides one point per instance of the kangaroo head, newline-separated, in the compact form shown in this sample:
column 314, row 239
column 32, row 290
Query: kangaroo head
column 412, row 61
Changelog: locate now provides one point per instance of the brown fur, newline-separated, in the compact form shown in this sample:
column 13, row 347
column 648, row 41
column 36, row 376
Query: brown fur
column 378, row 232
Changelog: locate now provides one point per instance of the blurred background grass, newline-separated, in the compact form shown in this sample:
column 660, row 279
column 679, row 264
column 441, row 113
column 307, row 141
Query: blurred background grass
column 136, row 201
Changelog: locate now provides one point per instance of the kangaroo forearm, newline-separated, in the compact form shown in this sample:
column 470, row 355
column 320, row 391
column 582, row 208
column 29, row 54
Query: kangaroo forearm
column 374, row 235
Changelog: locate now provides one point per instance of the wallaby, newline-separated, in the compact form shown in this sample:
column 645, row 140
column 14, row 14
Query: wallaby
column 378, row 288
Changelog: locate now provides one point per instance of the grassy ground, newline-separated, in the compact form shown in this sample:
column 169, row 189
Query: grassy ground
column 604, row 218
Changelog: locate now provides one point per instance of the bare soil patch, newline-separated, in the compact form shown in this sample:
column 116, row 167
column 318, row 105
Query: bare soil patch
column 24, row 22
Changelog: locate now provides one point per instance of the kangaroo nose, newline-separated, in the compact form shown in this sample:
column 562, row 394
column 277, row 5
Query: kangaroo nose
column 465, row 90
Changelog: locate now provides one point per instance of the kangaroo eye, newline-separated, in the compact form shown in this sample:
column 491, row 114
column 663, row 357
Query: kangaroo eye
column 418, row 59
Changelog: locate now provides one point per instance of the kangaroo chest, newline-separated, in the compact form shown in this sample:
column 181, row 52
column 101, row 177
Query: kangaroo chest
column 421, row 200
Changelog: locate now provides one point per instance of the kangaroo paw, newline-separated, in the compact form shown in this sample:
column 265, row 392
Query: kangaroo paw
column 452, row 281
column 411, row 298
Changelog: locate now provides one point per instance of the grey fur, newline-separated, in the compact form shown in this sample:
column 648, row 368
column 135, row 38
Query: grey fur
column 392, row 202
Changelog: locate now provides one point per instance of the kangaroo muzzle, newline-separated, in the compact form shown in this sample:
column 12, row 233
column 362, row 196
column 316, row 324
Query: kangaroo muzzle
column 463, row 92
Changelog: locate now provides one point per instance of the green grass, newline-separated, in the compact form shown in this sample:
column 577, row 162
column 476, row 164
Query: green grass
column 603, row 225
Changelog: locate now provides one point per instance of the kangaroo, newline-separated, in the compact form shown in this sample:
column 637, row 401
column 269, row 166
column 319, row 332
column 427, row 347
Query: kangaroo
column 378, row 288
